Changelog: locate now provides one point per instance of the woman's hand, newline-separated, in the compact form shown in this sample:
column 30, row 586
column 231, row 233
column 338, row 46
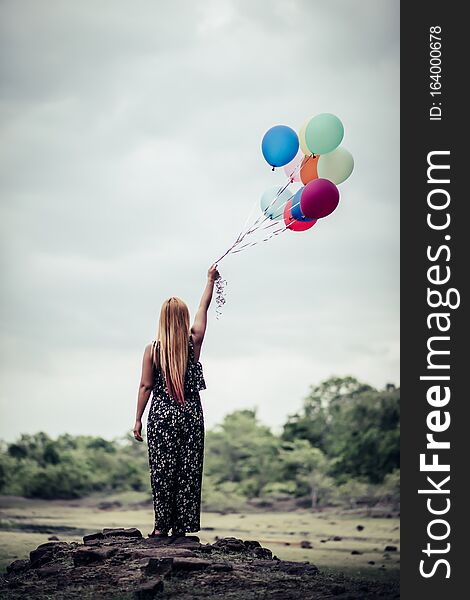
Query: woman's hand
column 212, row 273
column 138, row 431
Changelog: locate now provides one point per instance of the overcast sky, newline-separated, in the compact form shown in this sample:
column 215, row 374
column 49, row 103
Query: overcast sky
column 130, row 159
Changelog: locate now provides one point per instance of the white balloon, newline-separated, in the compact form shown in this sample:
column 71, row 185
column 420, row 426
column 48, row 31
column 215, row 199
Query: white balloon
column 336, row 166
column 302, row 144
column 272, row 202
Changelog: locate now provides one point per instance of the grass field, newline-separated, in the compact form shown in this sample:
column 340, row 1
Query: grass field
column 24, row 524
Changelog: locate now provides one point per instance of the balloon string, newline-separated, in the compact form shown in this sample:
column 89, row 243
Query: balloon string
column 272, row 234
column 263, row 217
column 255, row 226
column 280, row 191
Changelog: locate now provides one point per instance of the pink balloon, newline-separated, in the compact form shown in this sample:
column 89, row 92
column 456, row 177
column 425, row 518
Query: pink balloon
column 294, row 224
column 292, row 169
column 319, row 198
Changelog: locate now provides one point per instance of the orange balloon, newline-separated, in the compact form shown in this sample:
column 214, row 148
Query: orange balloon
column 308, row 169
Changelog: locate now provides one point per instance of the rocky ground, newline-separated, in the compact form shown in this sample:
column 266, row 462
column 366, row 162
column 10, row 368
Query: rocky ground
column 121, row 564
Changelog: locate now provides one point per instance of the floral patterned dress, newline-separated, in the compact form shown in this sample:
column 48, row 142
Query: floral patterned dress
column 175, row 437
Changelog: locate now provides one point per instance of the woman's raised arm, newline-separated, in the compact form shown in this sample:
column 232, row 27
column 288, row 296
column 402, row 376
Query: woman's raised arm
column 200, row 320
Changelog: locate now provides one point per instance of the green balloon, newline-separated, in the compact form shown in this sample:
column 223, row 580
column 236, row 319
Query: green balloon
column 323, row 133
column 336, row 166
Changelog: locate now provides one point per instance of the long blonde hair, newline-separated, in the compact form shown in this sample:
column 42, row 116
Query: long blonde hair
column 173, row 334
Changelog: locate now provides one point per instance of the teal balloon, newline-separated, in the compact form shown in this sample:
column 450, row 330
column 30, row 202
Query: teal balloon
column 336, row 166
column 323, row 133
column 272, row 202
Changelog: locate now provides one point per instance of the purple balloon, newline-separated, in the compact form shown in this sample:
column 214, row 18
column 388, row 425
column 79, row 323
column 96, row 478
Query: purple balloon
column 319, row 198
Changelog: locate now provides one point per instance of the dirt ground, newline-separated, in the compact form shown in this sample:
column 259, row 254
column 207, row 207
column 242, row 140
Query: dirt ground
column 121, row 563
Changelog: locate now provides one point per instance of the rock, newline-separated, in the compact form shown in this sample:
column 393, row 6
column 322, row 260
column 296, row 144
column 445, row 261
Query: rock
column 109, row 505
column 371, row 562
column 161, row 552
column 230, row 544
column 263, row 553
column 49, row 571
column 360, row 527
column 235, row 547
column 222, row 566
column 356, row 552
column 186, row 546
column 207, row 528
column 53, row 537
column 251, row 544
column 18, row 566
column 158, row 566
column 92, row 537
column 323, row 541
column 44, row 553
column 336, row 538
column 190, row 564
column 149, row 589
column 184, row 539
column 305, row 544
column 295, row 568
column 88, row 555
column 122, row 532
column 390, row 549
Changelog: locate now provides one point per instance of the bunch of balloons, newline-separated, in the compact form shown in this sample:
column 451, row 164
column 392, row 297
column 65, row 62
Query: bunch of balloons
column 312, row 158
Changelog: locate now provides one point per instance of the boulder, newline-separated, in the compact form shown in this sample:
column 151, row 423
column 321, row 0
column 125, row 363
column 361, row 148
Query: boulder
column 132, row 532
column 190, row 564
column 49, row 571
column 149, row 589
column 158, row 566
column 251, row 544
column 222, row 566
column 44, row 553
column 18, row 566
column 263, row 553
column 88, row 555
column 93, row 537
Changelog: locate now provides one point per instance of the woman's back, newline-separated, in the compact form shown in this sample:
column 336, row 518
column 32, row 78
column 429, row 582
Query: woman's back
column 194, row 377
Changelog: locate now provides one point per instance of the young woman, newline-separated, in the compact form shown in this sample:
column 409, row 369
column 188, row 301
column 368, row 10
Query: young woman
column 175, row 426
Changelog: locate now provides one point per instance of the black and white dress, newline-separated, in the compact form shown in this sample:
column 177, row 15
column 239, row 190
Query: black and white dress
column 175, row 437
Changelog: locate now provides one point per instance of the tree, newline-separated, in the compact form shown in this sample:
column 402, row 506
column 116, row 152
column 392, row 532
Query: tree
column 243, row 451
column 307, row 467
column 355, row 425
column 320, row 407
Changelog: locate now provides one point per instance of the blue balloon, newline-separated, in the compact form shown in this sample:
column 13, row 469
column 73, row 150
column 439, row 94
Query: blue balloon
column 280, row 145
column 295, row 209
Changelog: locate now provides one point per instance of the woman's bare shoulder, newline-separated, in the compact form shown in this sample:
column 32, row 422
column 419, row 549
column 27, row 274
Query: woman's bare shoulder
column 149, row 348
